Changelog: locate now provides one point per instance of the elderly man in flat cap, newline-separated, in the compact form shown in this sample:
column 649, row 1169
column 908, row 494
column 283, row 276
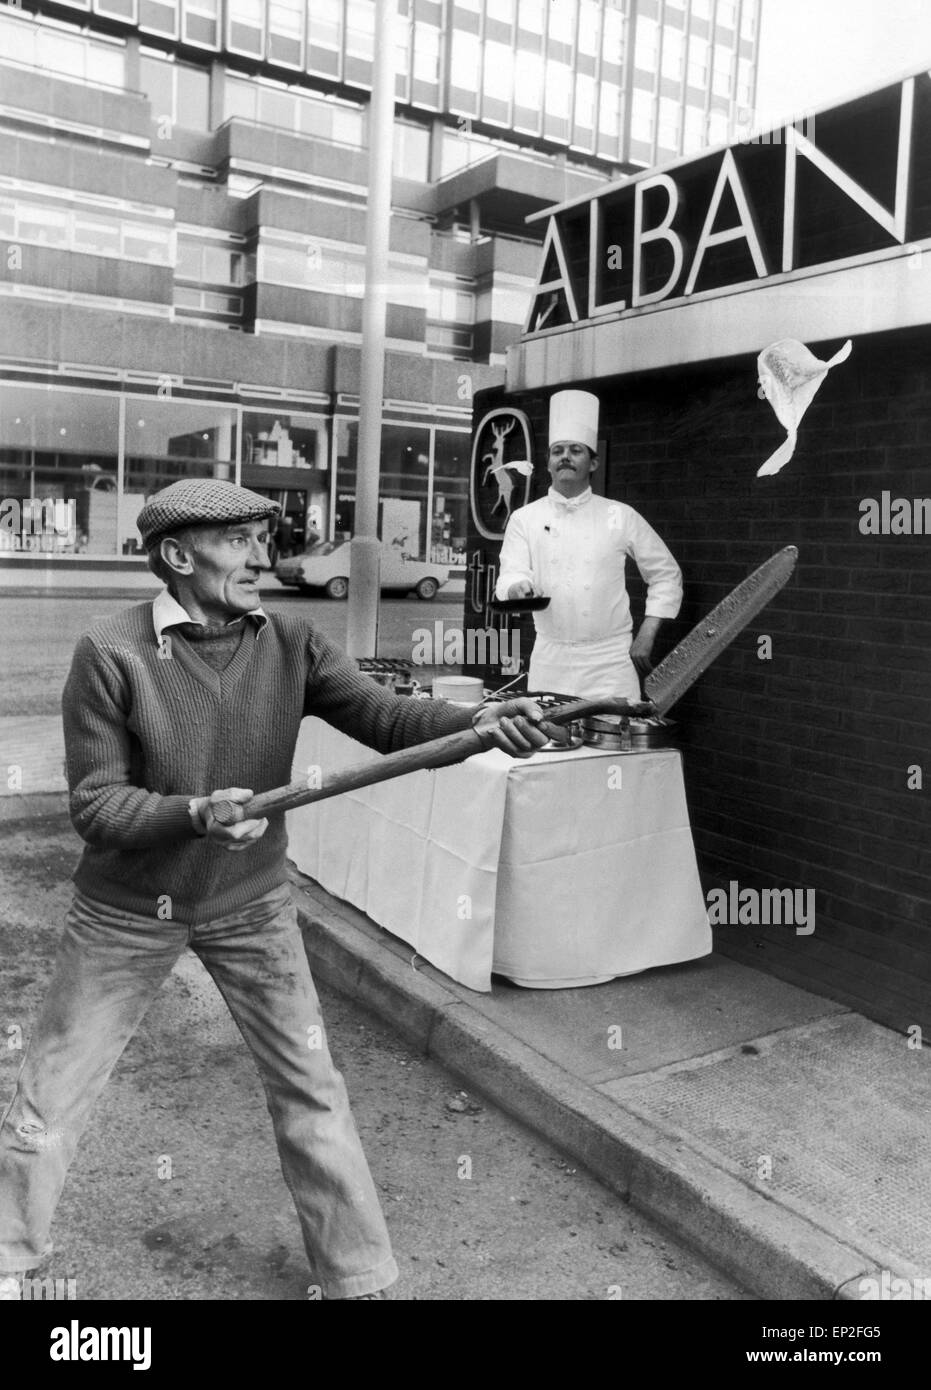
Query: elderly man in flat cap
column 170, row 707
column 573, row 547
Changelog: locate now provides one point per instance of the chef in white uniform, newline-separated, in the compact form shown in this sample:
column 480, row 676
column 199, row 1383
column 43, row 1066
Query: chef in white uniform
column 573, row 546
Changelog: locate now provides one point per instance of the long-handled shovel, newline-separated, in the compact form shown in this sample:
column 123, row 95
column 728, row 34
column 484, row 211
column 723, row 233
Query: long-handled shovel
column 664, row 685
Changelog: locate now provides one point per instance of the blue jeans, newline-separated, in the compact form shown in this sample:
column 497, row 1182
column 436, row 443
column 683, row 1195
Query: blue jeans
column 110, row 965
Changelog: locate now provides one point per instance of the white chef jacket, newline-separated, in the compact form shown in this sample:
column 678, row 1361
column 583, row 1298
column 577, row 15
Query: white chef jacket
column 575, row 550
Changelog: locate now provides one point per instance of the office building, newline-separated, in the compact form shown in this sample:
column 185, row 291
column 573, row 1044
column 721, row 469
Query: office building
column 182, row 212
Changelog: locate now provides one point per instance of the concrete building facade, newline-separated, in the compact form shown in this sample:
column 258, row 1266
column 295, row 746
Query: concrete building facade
column 182, row 226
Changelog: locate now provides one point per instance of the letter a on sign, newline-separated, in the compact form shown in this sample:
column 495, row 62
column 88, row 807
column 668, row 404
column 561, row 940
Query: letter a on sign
column 556, row 285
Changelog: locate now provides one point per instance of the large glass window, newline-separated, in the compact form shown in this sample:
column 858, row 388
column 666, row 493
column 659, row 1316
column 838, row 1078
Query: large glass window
column 60, row 448
column 748, row 19
column 450, row 518
column 169, row 439
column 694, row 135
column 93, row 232
column 405, row 471
column 286, row 457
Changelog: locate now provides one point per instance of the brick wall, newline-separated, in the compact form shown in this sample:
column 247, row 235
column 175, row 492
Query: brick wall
column 797, row 767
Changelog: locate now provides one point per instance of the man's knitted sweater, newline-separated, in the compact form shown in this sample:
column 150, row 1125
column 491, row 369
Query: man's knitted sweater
column 144, row 734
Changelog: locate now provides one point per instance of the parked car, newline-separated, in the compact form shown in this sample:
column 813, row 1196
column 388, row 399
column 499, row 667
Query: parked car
column 326, row 566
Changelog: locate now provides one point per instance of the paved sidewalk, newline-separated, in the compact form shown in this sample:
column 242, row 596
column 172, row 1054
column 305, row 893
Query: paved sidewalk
column 782, row 1135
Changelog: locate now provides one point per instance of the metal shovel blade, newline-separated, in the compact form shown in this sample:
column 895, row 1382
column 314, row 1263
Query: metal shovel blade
column 708, row 639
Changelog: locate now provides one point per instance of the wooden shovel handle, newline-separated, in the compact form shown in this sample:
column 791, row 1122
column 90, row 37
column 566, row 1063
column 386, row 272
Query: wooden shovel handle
column 439, row 752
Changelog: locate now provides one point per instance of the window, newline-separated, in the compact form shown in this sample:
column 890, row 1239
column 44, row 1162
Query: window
column 701, row 9
column 360, row 29
column 562, row 23
column 177, row 92
column 721, row 79
column 96, row 235
column 466, row 60
column 117, row 9
column 672, row 54
column 160, row 17
column 49, row 226
column 609, row 116
column 748, row 19
column 528, row 80
column 449, row 304
column 324, row 35
column 239, row 99
column 170, row 439
column 698, row 62
column 202, row 22
column 499, row 71
column 717, row 128
column 641, row 117
column 72, row 55
column 411, row 151
column 646, row 46
column 61, row 445
column 558, row 90
column 726, row 14
column 612, row 46
column 530, row 16
column 694, row 138
column 744, row 80
column 589, row 27
column 286, row 32
column 585, row 102
column 426, row 53
column 668, row 137
column 245, row 24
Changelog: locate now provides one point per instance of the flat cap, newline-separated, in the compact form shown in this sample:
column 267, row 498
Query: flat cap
column 200, row 502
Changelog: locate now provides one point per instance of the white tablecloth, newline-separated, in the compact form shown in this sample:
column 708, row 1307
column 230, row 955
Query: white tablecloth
column 544, row 870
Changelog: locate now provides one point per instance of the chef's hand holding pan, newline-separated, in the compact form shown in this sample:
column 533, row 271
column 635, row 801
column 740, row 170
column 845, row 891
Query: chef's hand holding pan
column 522, row 588
column 512, row 726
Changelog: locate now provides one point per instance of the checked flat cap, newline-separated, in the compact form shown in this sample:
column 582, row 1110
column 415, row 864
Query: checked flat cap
column 200, row 502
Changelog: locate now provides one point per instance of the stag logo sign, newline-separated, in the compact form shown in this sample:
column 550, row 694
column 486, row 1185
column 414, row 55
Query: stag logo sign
column 502, row 466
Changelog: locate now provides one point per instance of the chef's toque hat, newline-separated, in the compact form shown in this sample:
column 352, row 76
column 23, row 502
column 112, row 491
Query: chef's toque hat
column 574, row 415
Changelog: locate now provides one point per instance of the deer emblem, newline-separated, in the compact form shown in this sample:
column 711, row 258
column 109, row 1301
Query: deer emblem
column 498, row 469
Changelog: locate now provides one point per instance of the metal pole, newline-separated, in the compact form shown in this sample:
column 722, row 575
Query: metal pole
column 365, row 559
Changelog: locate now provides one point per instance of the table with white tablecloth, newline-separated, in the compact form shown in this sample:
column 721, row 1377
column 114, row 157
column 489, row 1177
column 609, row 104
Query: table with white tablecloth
column 560, row 870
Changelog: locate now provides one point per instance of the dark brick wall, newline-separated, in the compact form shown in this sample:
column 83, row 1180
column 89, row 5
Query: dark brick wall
column 797, row 767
